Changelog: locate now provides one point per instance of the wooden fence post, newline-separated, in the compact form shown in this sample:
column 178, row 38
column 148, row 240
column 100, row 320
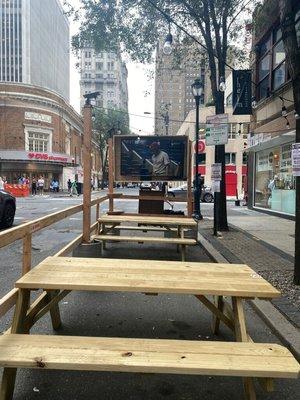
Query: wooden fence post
column 26, row 253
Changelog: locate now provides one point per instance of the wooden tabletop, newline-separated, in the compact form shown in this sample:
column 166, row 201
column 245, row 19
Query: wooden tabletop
column 151, row 220
column 96, row 274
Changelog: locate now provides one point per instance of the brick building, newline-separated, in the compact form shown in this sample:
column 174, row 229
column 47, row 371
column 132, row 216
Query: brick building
column 41, row 135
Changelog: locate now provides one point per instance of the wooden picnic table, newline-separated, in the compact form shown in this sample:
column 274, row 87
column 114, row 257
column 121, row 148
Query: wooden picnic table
column 57, row 276
column 174, row 224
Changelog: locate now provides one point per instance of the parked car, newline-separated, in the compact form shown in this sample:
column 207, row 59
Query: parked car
column 146, row 185
column 181, row 191
column 131, row 185
column 7, row 209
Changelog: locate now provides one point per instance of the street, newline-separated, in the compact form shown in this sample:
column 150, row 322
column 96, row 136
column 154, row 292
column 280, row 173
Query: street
column 124, row 315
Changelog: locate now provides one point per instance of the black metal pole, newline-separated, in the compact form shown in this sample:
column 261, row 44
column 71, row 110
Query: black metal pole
column 197, row 211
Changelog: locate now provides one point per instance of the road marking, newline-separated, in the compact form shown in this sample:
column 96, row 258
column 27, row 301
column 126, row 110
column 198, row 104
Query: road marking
column 75, row 219
column 19, row 217
column 52, row 209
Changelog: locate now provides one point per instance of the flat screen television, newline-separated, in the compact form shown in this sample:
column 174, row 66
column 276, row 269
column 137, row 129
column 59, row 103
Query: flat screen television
column 150, row 158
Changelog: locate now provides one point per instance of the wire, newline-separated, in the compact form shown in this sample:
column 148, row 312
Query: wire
column 169, row 18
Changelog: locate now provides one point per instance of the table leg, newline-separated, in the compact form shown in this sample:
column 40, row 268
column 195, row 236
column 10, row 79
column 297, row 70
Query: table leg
column 54, row 310
column 178, row 235
column 241, row 336
column 182, row 246
column 18, row 326
column 215, row 325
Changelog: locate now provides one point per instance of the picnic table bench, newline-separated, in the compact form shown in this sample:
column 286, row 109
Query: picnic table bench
column 146, row 223
column 57, row 276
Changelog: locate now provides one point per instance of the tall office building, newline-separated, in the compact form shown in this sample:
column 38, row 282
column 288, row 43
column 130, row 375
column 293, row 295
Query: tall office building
column 35, row 45
column 173, row 93
column 106, row 73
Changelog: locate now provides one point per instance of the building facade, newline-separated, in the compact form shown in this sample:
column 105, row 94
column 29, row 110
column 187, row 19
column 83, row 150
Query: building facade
column 271, row 182
column 174, row 75
column 41, row 135
column 104, row 72
column 235, row 156
column 35, row 44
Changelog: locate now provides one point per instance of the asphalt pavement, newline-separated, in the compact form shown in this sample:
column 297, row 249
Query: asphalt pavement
column 124, row 315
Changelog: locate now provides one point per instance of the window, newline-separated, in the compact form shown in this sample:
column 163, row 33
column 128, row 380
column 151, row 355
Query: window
column 232, row 131
column 202, row 158
column 99, row 65
column 229, row 100
column 230, row 158
column 38, row 142
column 271, row 65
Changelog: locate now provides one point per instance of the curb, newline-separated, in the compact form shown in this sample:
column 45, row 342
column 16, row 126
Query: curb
column 287, row 333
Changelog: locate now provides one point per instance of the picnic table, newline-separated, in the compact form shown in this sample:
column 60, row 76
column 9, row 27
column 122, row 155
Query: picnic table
column 146, row 223
column 57, row 276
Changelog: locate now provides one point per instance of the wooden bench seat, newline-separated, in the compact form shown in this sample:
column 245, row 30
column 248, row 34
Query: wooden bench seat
column 147, row 356
column 151, row 220
column 146, row 239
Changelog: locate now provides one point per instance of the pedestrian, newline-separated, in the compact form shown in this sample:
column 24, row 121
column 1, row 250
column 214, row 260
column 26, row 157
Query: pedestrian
column 41, row 183
column 1, row 183
column 74, row 189
column 56, row 186
column 92, row 184
column 69, row 183
column 33, row 186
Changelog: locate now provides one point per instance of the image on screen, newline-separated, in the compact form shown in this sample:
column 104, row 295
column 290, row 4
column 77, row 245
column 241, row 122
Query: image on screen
column 152, row 158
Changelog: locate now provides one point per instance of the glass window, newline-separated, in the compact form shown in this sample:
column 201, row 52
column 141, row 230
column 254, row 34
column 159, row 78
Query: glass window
column 278, row 54
column 264, row 67
column 279, row 76
column 265, row 46
column 230, row 158
column 202, row 158
column 274, row 182
column 38, row 142
column 264, row 88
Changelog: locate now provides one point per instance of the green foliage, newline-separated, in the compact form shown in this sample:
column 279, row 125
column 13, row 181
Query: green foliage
column 135, row 26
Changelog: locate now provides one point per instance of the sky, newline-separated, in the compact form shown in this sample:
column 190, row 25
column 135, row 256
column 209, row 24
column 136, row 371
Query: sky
column 138, row 84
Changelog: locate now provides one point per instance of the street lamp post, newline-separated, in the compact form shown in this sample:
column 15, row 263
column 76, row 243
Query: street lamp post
column 197, row 89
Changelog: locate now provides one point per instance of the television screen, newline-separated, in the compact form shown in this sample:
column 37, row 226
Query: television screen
column 150, row 158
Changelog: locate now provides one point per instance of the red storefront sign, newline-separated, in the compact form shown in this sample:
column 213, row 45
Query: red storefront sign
column 201, row 146
column 47, row 157
column 231, row 180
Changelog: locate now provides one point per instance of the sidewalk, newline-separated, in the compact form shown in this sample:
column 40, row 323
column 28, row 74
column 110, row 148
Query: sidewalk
column 266, row 244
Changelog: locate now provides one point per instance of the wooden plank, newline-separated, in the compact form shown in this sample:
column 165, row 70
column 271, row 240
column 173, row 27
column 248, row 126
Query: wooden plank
column 18, row 326
column 151, row 220
column 111, row 176
column 147, row 276
column 189, row 182
column 145, row 228
column 26, row 259
column 87, row 167
column 218, row 300
column 216, row 311
column 242, row 336
column 147, row 355
column 170, row 199
column 8, row 301
column 146, row 239
column 52, row 302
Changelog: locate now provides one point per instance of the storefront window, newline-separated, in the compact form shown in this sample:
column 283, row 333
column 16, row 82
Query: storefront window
column 274, row 182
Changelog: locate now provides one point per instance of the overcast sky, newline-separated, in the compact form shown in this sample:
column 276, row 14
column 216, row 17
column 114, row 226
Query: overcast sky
column 138, row 84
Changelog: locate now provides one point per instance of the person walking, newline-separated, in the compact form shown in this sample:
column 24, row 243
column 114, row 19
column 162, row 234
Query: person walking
column 41, row 183
column 69, row 183
column 1, row 183
column 33, row 186
column 74, row 189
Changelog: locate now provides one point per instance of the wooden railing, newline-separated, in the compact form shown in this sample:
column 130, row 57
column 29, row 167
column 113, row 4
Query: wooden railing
column 25, row 231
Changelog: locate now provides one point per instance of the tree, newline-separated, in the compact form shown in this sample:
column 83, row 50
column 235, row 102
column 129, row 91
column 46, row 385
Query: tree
column 135, row 26
column 292, row 52
column 108, row 123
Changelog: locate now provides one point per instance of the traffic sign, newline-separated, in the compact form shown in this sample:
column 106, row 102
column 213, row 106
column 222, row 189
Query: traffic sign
column 216, row 130
column 201, row 146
